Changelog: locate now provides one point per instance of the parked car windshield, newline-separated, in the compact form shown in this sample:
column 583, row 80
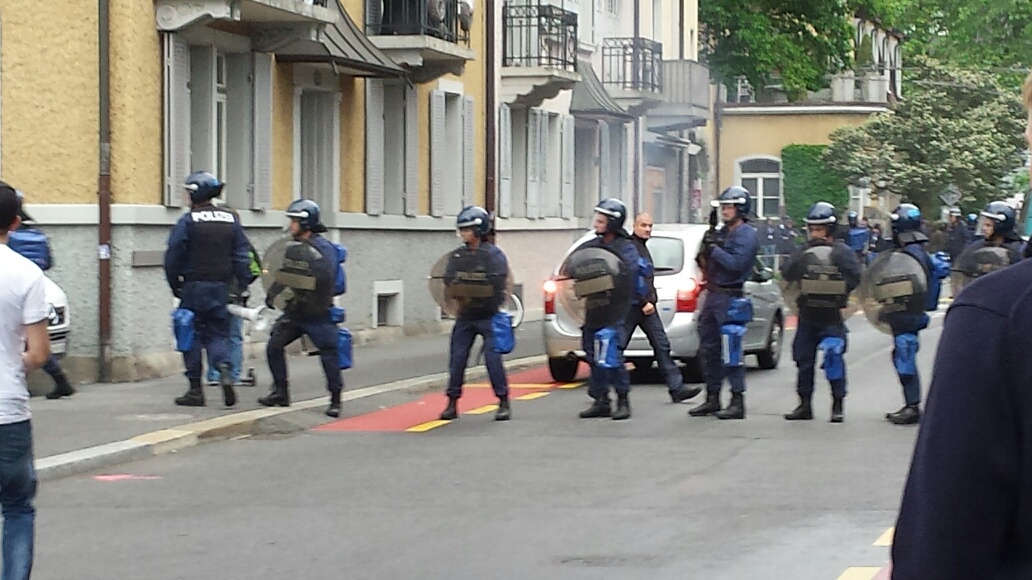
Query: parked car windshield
column 667, row 254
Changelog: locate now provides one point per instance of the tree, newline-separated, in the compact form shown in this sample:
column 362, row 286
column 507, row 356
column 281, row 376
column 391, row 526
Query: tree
column 800, row 41
column 954, row 128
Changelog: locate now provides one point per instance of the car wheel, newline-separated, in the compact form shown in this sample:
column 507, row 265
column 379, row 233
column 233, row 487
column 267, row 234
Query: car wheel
column 563, row 370
column 771, row 356
column 692, row 371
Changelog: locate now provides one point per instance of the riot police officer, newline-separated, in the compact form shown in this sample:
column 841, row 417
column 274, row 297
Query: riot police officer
column 999, row 246
column 207, row 249
column 857, row 236
column 728, row 259
column 313, row 314
column 475, row 314
column 826, row 271
column 908, row 238
column 610, row 216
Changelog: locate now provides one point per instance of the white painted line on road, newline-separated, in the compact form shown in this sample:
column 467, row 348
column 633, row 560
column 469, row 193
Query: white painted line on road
column 860, row 573
column 885, row 540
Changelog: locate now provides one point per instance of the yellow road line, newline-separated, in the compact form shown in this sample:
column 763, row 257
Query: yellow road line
column 860, row 573
column 532, row 396
column 569, row 385
column 885, row 539
column 424, row 427
column 482, row 410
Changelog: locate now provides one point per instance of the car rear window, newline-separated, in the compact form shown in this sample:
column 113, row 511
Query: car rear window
column 667, row 254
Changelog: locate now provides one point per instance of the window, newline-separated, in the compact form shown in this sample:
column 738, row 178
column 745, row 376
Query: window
column 451, row 152
column 613, row 6
column 317, row 148
column 762, row 177
column 667, row 255
column 392, row 140
column 221, row 129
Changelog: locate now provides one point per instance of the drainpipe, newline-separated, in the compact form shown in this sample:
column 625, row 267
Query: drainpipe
column 636, row 58
column 718, row 121
column 491, row 116
column 104, row 192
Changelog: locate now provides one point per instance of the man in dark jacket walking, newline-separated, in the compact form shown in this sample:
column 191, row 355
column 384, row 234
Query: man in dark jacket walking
column 644, row 315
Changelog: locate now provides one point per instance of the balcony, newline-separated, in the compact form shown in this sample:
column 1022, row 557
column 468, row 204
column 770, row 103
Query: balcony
column 291, row 17
column 686, row 97
column 632, row 72
column 430, row 38
column 539, row 53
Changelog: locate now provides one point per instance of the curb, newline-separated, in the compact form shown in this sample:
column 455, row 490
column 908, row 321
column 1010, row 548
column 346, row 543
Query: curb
column 192, row 434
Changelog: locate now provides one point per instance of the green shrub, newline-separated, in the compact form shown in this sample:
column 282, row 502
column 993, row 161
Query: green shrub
column 808, row 180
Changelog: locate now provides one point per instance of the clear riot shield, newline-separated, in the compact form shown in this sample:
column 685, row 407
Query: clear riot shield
column 822, row 285
column 894, row 284
column 461, row 282
column 297, row 278
column 980, row 259
column 594, row 287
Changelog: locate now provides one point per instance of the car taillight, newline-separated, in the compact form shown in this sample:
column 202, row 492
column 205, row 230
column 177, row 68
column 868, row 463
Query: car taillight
column 688, row 298
column 550, row 288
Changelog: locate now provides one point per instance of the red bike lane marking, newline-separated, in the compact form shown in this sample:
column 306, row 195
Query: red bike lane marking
column 429, row 407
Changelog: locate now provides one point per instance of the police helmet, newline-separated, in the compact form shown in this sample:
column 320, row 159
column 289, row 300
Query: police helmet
column 24, row 215
column 306, row 212
column 905, row 218
column 203, row 186
column 853, row 218
column 615, row 211
column 737, row 196
column 955, row 211
column 822, row 213
column 475, row 217
column 1002, row 215
column 972, row 219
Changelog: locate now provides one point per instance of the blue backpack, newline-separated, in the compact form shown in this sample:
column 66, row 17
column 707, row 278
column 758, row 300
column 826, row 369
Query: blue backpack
column 340, row 282
column 940, row 268
column 32, row 244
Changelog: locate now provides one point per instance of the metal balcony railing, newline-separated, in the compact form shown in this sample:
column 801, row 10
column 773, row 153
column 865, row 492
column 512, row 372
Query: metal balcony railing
column 539, row 35
column 449, row 20
column 632, row 64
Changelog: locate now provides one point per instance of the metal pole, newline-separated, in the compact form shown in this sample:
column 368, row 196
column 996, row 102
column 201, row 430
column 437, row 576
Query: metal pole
column 104, row 192
column 491, row 113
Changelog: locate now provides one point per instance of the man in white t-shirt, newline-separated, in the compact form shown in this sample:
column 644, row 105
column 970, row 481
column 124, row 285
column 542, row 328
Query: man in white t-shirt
column 24, row 346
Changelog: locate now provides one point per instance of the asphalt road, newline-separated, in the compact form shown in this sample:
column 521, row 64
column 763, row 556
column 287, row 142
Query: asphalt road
column 544, row 496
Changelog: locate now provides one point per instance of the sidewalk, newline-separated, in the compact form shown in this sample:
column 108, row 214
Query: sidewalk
column 104, row 424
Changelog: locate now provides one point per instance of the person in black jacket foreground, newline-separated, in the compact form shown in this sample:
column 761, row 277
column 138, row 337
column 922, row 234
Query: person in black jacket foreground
column 967, row 505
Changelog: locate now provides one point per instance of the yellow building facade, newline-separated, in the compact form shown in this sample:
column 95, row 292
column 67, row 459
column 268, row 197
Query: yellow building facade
column 378, row 115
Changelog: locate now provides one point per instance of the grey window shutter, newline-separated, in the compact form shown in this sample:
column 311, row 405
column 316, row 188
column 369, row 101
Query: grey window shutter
column 568, row 160
column 411, row 151
column 438, row 142
column 533, row 162
column 504, row 161
column 374, row 147
column 177, row 118
column 468, row 151
column 605, row 161
column 545, row 190
column 261, row 190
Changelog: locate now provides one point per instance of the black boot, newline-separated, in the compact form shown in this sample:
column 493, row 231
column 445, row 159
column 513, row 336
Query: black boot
column 504, row 412
column 684, row 393
column 836, row 410
column 598, row 409
column 736, row 410
column 451, row 412
column 804, row 412
column 908, row 415
column 623, row 408
column 226, row 381
column 62, row 388
column 334, row 409
column 712, row 405
column 194, row 397
column 277, row 397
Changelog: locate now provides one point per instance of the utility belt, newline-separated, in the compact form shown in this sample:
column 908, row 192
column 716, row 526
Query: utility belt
column 735, row 291
column 189, row 279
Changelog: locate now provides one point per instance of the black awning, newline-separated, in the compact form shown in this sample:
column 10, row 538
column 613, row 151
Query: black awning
column 345, row 46
column 591, row 99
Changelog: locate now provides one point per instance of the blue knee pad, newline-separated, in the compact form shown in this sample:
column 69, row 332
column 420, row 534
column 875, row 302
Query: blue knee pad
column 904, row 357
column 183, row 328
column 344, row 349
column 731, row 345
column 834, row 365
column 607, row 348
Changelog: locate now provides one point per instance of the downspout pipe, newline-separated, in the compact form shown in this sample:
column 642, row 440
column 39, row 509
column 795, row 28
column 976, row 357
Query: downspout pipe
column 104, row 191
column 491, row 112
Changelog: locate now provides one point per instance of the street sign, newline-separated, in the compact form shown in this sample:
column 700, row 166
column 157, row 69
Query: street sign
column 951, row 196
